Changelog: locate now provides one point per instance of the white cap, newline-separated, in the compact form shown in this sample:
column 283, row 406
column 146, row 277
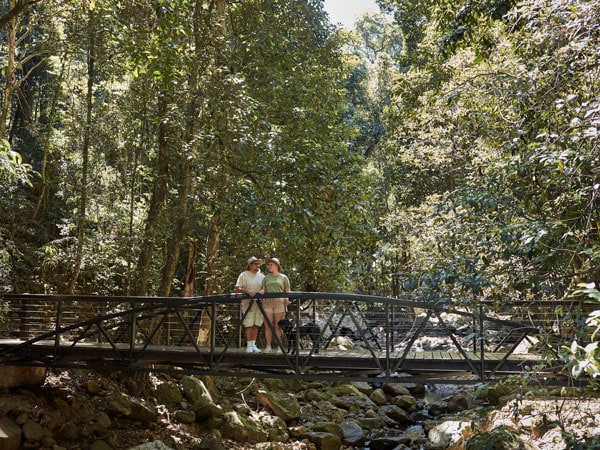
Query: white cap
column 251, row 260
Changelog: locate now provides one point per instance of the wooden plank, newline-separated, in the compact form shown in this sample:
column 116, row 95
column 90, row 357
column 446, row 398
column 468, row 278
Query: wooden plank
column 342, row 363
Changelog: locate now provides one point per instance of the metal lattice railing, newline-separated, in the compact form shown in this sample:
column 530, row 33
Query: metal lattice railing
column 206, row 333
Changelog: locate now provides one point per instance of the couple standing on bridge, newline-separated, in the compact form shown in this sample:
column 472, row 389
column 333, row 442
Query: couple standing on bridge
column 251, row 282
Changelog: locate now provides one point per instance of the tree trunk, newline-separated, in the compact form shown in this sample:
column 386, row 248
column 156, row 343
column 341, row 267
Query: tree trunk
column 189, row 284
column 157, row 201
column 11, row 42
column 182, row 217
column 82, row 218
column 179, row 232
column 48, row 158
column 212, row 249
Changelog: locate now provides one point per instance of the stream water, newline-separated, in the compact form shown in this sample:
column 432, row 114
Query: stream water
column 432, row 394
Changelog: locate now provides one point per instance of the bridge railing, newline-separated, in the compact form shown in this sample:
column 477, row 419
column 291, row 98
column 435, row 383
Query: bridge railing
column 388, row 332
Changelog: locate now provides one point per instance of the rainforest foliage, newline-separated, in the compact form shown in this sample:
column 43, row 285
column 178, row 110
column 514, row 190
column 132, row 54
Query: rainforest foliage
column 443, row 150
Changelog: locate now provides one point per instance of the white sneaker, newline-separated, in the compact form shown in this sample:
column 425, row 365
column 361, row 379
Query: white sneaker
column 252, row 349
column 268, row 349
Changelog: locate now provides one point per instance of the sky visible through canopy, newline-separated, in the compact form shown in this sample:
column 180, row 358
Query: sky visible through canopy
column 346, row 11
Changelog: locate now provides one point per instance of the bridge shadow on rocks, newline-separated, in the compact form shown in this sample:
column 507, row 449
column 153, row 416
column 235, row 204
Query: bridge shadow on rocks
column 359, row 337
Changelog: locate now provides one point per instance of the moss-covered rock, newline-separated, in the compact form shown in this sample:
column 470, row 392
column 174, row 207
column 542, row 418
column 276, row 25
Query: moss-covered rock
column 312, row 395
column 346, row 389
column 282, row 404
column 395, row 389
column 406, row 402
column 275, row 427
column 168, row 394
column 242, row 428
column 378, row 397
column 323, row 440
column 354, row 403
column 329, row 427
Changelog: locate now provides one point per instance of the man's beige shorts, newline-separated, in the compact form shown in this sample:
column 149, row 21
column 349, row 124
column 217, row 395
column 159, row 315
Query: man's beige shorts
column 254, row 317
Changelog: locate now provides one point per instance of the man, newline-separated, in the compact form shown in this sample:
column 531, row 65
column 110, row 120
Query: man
column 250, row 282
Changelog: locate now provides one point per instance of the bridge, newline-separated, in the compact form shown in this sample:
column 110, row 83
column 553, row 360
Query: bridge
column 362, row 337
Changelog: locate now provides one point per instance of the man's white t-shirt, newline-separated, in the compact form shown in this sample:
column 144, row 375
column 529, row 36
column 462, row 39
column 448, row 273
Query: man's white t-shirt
column 250, row 281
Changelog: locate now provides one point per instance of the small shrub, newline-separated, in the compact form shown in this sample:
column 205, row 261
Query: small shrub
column 500, row 438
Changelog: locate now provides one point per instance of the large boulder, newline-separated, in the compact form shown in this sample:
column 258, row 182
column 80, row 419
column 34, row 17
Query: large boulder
column 379, row 397
column 242, row 428
column 210, row 443
column 16, row 404
column 346, row 389
column 390, row 443
column 315, row 412
column 350, row 398
column 17, row 376
column 205, row 409
column 329, row 427
column 32, row 431
column 200, row 398
column 354, row 403
column 142, row 411
column 130, row 407
column 282, row 404
column 393, row 415
column 447, row 433
column 353, row 434
column 415, row 389
column 184, row 416
column 316, row 395
column 195, row 390
column 363, row 387
column 437, row 408
column 323, row 440
column 371, row 423
column 10, row 434
column 406, row 402
column 395, row 389
column 168, row 394
column 459, row 402
column 275, row 427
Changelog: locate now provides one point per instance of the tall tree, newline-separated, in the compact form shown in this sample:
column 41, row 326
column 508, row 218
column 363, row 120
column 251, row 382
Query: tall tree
column 219, row 126
column 10, row 82
column 479, row 151
column 85, row 149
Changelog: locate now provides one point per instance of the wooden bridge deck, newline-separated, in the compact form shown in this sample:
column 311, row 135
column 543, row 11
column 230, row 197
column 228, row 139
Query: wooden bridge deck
column 361, row 364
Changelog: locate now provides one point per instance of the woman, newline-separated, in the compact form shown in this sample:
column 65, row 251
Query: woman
column 274, row 308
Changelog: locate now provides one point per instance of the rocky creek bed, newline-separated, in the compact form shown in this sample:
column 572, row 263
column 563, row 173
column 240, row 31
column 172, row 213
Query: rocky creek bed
column 82, row 410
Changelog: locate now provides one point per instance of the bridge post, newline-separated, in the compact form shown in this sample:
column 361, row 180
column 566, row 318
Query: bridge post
column 481, row 342
column 389, row 337
column 213, row 327
column 475, row 329
column 59, row 311
column 23, row 318
column 133, row 327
